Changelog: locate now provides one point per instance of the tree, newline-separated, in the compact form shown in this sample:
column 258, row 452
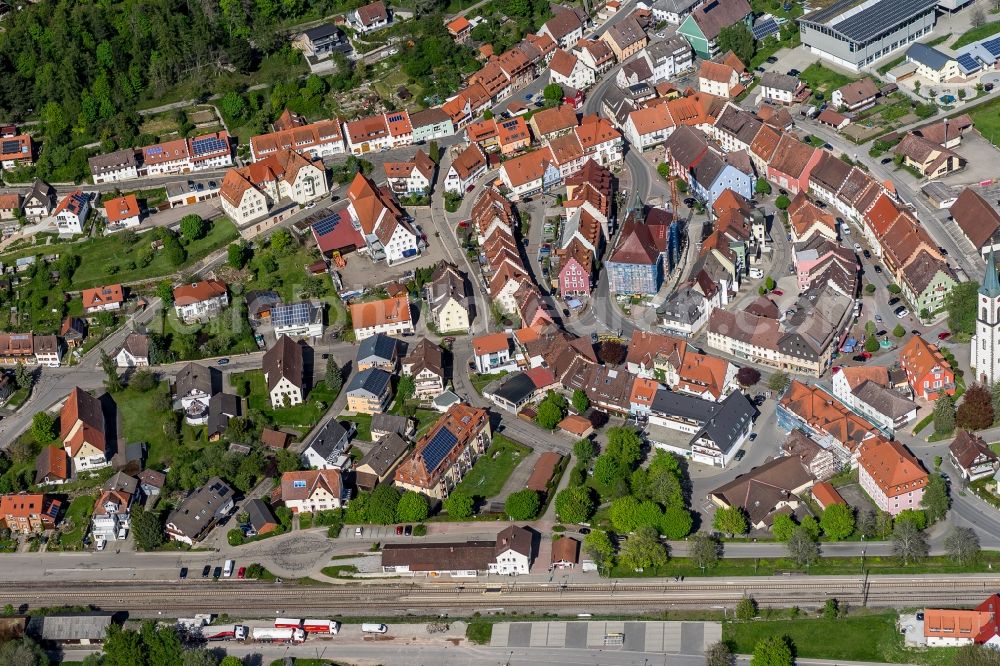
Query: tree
column 908, row 543
column 978, row 17
column 523, row 504
column 381, row 506
column 43, row 427
column 608, row 469
column 915, row 516
column 334, row 375
column 22, row 376
column 871, row 344
column 935, row 501
column 434, row 152
column 23, row 652
column 898, row 331
column 704, row 550
column 575, row 504
column 802, row 547
column 894, row 289
column 624, row 514
column 112, row 382
column 458, row 505
column 147, row 530
column 747, row 376
column 193, row 227
column 838, row 521
column 778, row 381
column 201, row 657
column 644, row 550
column 663, row 169
column 412, row 508
column 612, row 352
column 976, row 410
column 738, row 39
column 406, row 389
column 238, row 255
column 625, row 445
column 598, row 545
column 719, row 654
column 551, row 411
column 762, row 186
column 962, row 544
column 676, row 522
column 782, row 202
column 811, row 525
column 772, row 651
column 770, row 284
column 783, row 526
column 731, row 520
column 883, row 523
column 583, row 450
column 961, row 305
column 746, row 608
column 865, row 524
column 123, row 647
column 553, row 94
column 944, row 415
column 230, row 660
column 580, row 401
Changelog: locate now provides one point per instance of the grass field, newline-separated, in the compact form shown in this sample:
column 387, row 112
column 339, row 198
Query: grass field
column 986, row 118
column 858, row 638
column 142, row 423
column 975, row 34
column 363, row 422
column 78, row 513
column 304, row 415
column 823, row 79
column 491, row 471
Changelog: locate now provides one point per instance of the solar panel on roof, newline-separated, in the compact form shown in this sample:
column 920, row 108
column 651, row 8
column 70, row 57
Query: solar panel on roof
column 291, row 314
column 9, row 147
column 395, row 118
column 208, row 145
column 154, row 150
column 872, row 21
column 968, row 63
column 993, row 46
column 765, row 28
column 325, row 226
column 438, row 448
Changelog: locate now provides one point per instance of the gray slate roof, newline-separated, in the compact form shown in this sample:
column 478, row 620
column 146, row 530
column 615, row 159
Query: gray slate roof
column 377, row 347
column 374, row 381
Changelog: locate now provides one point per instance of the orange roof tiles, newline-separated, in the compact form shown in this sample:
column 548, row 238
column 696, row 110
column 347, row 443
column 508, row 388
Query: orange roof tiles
column 121, row 208
column 101, row 296
column 643, row 391
column 826, row 494
column 380, row 313
column 197, row 292
column 892, row 467
column 458, row 25
column 952, row 623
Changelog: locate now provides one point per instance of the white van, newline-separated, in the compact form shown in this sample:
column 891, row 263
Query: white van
column 374, row 628
column 756, row 273
column 227, row 570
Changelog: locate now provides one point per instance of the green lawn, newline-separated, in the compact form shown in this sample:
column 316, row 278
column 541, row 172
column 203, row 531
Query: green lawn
column 18, row 397
column 858, row 638
column 79, row 512
column 153, row 196
column 490, row 473
column 364, row 425
column 226, row 334
column 975, row 34
column 336, row 570
column 106, row 259
column 479, row 382
column 986, row 118
column 141, row 422
column 304, row 415
column 823, row 79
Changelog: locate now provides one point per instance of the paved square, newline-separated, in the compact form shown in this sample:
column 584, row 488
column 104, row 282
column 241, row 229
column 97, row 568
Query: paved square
column 520, row 634
column 692, row 637
column 635, row 636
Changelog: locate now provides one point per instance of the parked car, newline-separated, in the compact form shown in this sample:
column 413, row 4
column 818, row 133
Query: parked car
column 184, row 573
column 242, row 573
column 885, row 160
column 408, row 530
column 944, row 252
column 771, row 60
column 399, row 530
column 868, row 255
column 944, row 336
column 828, row 146
column 878, row 269
column 739, row 455
column 206, row 570
column 915, row 332
column 901, row 312
column 753, row 436
column 217, row 573
column 778, row 292
column 893, row 300
column 793, row 72
column 878, row 319
column 859, row 358
column 857, row 247
column 761, row 70
column 359, row 531
column 223, row 361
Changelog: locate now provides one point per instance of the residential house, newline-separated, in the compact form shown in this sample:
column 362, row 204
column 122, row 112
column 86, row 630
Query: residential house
column 719, row 79
column 39, row 201
column 764, row 492
column 384, row 425
column 387, row 231
column 459, row 28
column 48, row 351
column 703, row 25
column 102, row 299
column 927, row 372
column 25, row 513
column 447, row 299
column 446, row 452
column 275, row 439
column 200, row 301
column 193, row 389
column 510, row 554
column 685, row 312
column 81, row 423
column 134, row 352
column 114, row 167
column 467, row 167
column 303, row 319
column 718, row 429
column 369, row 391
column 122, row 213
column 821, row 462
column 151, row 482
column 261, row 519
column 381, row 459
column 972, row 457
column 807, row 220
column 282, row 365
column 73, row 331
column 390, row 316
column 671, row 11
column 414, row 177
column 430, row 124
column 667, row 58
column 111, row 519
column 826, row 495
column 626, row 38
column 565, row 553
column 71, row 213
column 322, row 41
column 955, row 628
column 200, row 511
column 977, row 219
column 925, row 280
column 568, row 70
column 251, row 192
column 52, row 466
column 595, row 54
column 778, row 88
column 313, row 490
column 930, row 159
column 855, row 96
column 329, row 448
column 370, row 17
column 867, row 390
column 377, row 351
column 825, row 419
column 425, row 363
column 891, row 475
column 377, row 133
column 933, row 65
column 221, row 408
column 791, row 164
column 313, row 141
column 10, row 206
column 565, row 28
column 492, row 353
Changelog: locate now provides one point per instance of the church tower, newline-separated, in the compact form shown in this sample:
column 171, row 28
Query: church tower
column 986, row 341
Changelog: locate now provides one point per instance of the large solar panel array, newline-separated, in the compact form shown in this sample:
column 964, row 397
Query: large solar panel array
column 438, row 448
column 11, row 147
column 291, row 314
column 871, row 21
column 993, row 46
column 968, row 63
column 208, row 145
column 765, row 28
column 327, row 225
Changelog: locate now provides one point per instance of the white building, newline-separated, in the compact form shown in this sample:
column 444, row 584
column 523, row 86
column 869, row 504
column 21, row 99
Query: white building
column 313, row 490
column 200, row 301
column 568, row 70
column 986, row 341
column 112, row 515
column 470, row 165
column 71, row 213
column 298, row 320
column 492, row 354
column 778, row 88
column 251, row 192
column 282, row 366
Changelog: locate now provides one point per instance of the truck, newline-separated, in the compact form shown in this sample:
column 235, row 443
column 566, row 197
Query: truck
column 374, row 628
column 321, row 627
column 287, row 623
column 268, row 635
column 224, row 632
